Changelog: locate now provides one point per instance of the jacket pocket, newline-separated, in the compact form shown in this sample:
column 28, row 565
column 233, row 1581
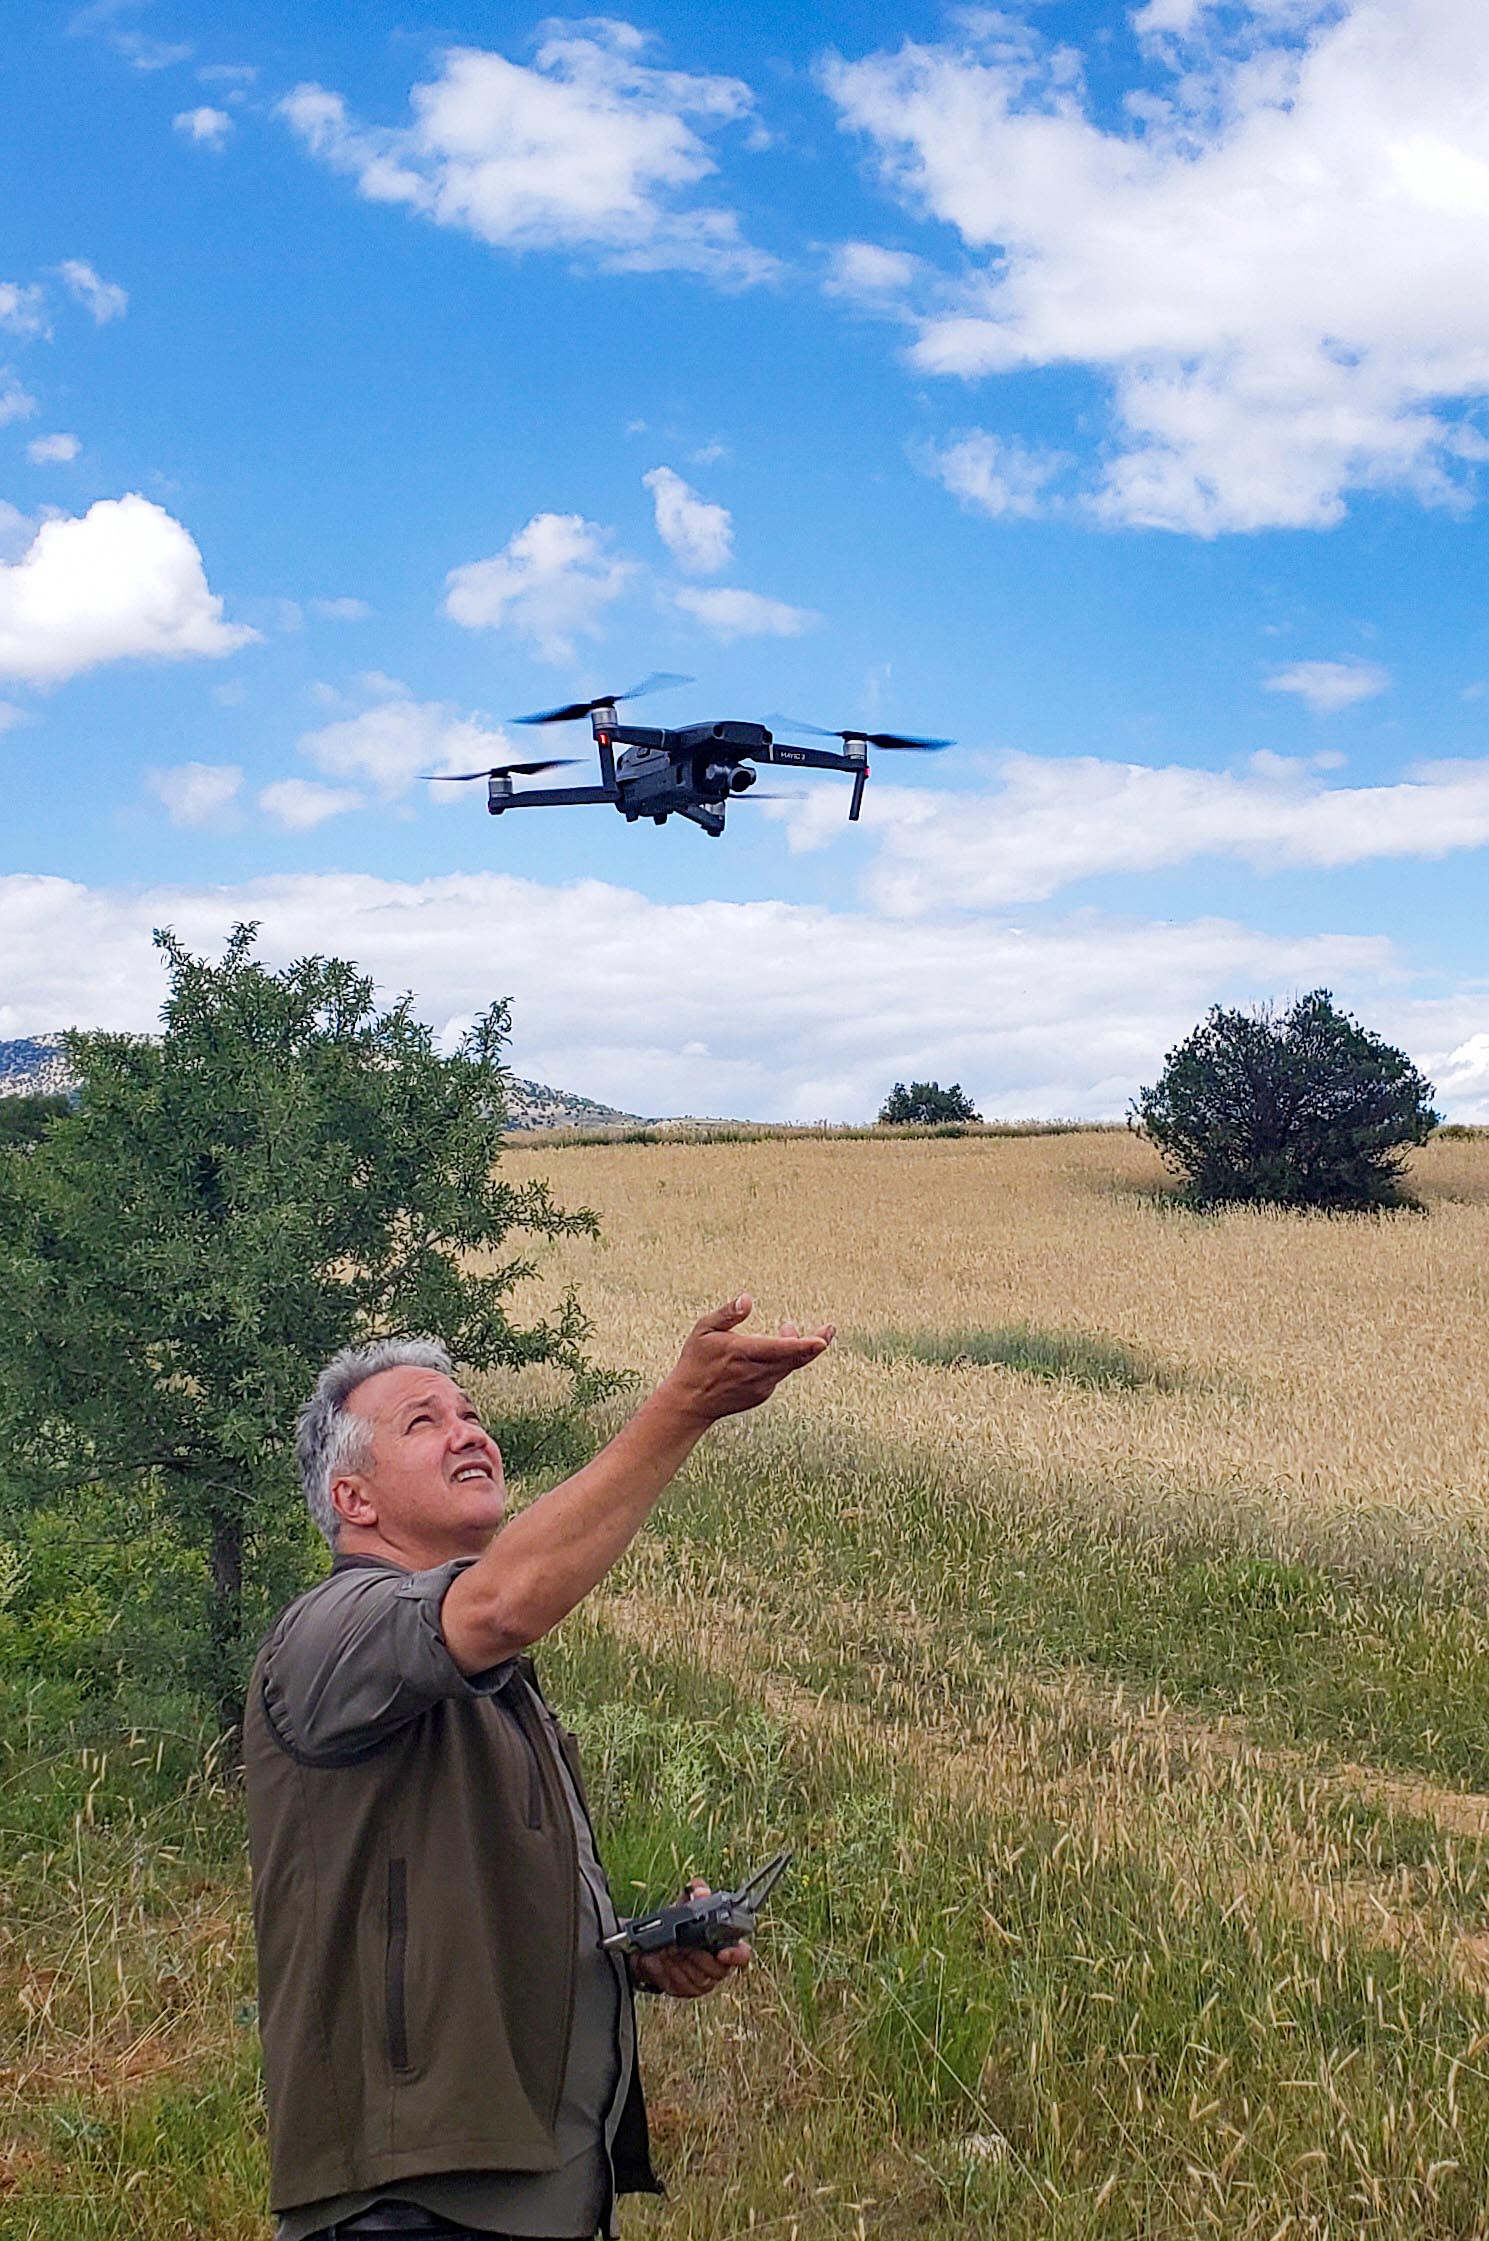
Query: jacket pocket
column 396, row 1965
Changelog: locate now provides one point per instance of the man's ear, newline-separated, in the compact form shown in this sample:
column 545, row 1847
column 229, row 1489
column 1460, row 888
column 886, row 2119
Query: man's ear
column 351, row 1500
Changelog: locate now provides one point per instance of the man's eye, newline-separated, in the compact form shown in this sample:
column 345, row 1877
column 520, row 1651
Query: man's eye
column 413, row 1420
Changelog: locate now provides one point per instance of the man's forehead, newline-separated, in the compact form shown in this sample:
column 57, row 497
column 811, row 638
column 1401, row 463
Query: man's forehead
column 389, row 1391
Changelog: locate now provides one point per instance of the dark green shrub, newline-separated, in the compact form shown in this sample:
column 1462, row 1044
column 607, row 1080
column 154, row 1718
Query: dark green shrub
column 924, row 1103
column 1300, row 1108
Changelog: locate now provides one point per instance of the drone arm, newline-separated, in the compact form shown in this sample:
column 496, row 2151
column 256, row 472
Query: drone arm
column 859, row 783
column 549, row 797
column 804, row 758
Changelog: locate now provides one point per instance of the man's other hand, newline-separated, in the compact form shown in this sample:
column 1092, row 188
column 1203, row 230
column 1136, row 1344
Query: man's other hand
column 723, row 1370
column 686, row 1974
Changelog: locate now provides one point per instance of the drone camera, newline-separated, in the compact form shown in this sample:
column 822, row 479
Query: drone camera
column 741, row 780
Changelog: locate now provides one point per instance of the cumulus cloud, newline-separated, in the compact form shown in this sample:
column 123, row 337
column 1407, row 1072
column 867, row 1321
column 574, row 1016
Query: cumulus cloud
column 103, row 299
column 196, row 793
column 699, row 536
column 299, row 804
column 1052, row 822
column 23, row 310
column 592, row 147
column 1273, row 260
column 16, row 403
column 1068, row 1019
column 1328, row 686
column 995, row 475
column 865, row 274
column 123, row 581
column 207, row 127
column 730, row 613
column 387, row 745
column 551, row 583
column 52, row 451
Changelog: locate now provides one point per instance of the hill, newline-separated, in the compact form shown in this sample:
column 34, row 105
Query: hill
column 34, row 1065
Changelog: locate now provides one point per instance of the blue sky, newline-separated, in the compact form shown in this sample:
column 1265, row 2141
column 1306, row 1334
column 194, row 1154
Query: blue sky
column 1102, row 387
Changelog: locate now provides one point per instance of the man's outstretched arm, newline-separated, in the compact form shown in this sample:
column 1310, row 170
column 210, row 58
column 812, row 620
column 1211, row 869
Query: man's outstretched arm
column 549, row 1558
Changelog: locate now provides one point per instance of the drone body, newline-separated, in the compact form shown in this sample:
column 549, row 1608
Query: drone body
column 694, row 771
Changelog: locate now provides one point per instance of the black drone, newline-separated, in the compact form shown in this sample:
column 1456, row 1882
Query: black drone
column 694, row 772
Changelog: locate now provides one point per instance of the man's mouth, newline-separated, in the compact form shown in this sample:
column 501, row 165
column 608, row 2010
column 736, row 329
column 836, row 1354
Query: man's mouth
column 473, row 1470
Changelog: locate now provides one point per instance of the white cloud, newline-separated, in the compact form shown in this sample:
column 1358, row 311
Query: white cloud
column 16, row 403
column 209, row 128
column 123, row 581
column 196, row 793
column 1055, row 821
column 550, row 583
column 388, row 745
column 867, row 274
column 142, row 53
column 299, row 804
column 104, row 299
column 699, row 536
column 730, row 613
column 1069, row 1019
column 340, row 610
column 997, row 475
column 10, row 715
column 49, row 451
column 591, row 148
column 1328, row 686
column 23, row 310
column 1274, row 260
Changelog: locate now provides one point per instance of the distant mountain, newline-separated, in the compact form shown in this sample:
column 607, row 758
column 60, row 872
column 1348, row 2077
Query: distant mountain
column 33, row 1066
column 534, row 1105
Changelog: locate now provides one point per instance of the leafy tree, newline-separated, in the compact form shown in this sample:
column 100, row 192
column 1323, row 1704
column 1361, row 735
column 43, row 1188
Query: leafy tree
column 1300, row 1108
column 285, row 1169
column 25, row 1119
column 925, row 1103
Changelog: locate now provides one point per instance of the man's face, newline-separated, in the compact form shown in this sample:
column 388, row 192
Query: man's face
column 431, row 1484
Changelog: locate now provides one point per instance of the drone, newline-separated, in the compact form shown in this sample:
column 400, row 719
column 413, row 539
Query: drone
column 695, row 771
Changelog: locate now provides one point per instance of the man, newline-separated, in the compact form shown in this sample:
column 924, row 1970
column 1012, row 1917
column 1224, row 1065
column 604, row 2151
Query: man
column 448, row 2048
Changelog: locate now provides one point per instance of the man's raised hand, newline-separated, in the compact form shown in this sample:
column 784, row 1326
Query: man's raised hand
column 723, row 1370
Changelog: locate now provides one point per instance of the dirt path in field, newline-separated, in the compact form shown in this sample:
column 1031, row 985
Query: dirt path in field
column 1158, row 1759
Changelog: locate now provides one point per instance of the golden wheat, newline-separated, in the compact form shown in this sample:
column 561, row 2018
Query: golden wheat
column 1328, row 1379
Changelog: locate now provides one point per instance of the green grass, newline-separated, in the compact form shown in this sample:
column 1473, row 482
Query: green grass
column 1011, row 2024
column 1079, row 1357
column 979, row 2007
column 1375, row 1664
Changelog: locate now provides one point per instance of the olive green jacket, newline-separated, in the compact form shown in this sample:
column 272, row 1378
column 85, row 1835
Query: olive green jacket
column 415, row 1896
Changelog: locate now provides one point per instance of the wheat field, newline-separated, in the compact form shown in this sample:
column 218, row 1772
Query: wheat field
column 1327, row 1377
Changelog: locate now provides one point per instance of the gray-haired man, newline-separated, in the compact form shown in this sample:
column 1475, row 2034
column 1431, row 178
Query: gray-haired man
column 448, row 2048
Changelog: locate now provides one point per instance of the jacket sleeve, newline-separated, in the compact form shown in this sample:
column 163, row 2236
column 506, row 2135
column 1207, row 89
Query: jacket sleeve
column 361, row 1656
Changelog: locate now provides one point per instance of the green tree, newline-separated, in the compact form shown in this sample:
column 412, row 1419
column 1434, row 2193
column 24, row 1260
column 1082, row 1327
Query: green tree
column 1299, row 1108
column 25, row 1119
column 925, row 1103
column 285, row 1169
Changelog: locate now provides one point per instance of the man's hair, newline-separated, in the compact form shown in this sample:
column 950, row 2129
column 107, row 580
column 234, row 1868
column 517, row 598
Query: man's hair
column 328, row 1438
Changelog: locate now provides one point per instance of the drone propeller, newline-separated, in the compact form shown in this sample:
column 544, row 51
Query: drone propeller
column 890, row 739
column 574, row 709
column 497, row 770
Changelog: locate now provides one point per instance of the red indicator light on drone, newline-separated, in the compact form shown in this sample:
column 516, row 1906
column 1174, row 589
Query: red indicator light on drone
column 603, row 737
